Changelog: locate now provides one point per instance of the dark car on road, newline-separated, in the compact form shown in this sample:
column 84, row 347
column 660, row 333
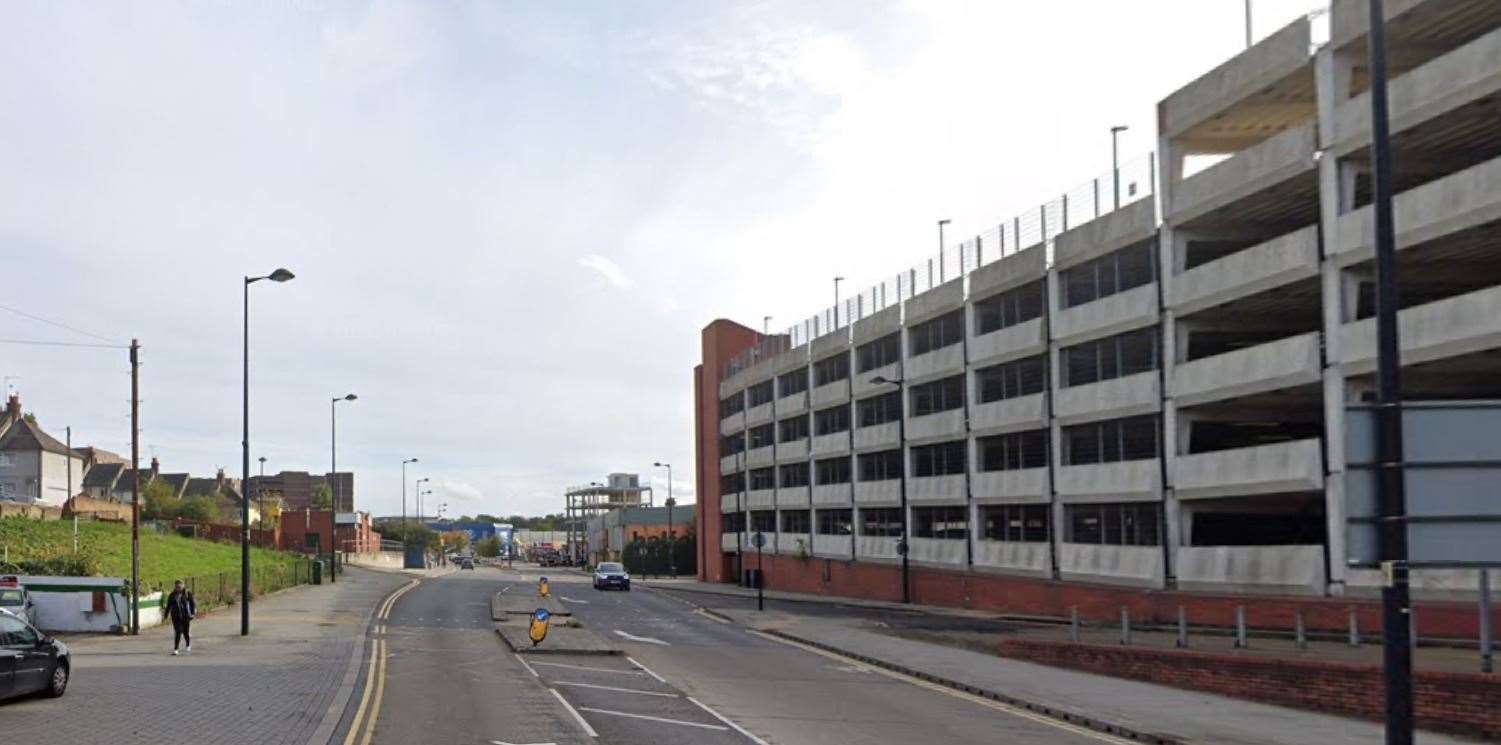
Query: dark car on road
column 611, row 574
column 30, row 661
column 466, row 563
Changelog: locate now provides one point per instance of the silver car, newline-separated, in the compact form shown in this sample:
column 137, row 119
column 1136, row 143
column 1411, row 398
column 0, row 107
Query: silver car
column 17, row 600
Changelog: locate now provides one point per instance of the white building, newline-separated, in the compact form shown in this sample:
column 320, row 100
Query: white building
column 34, row 467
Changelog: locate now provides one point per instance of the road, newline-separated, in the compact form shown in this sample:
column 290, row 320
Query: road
column 686, row 679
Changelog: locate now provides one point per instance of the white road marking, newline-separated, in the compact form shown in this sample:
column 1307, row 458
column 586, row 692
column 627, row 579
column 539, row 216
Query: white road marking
column 589, row 669
column 722, row 718
column 646, row 670
column 528, row 667
column 711, row 617
column 644, row 639
column 575, row 712
column 573, row 600
column 663, row 720
column 503, row 742
column 614, row 688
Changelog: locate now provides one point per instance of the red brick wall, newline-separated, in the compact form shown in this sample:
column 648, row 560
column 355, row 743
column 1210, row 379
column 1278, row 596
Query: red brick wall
column 721, row 341
column 1461, row 703
column 1040, row 597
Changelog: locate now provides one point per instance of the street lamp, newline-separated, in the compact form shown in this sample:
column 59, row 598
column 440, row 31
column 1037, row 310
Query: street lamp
column 333, row 463
column 837, row 280
column 901, row 437
column 672, row 556
column 1115, row 157
column 280, row 275
column 404, row 502
column 260, row 492
column 766, row 325
column 417, row 489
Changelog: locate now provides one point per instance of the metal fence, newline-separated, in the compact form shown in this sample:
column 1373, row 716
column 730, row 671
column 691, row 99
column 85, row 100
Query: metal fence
column 223, row 588
column 1133, row 181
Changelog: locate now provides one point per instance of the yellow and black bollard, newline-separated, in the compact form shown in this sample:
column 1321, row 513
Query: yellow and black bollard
column 542, row 589
column 537, row 631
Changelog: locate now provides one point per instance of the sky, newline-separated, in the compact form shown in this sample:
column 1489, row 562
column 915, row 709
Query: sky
column 510, row 220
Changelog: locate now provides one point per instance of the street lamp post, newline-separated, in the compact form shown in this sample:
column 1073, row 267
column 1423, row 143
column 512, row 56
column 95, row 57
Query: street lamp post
column 280, row 275
column 837, row 280
column 404, row 502
column 1248, row 24
column 901, row 437
column 1115, row 160
column 672, row 556
column 333, row 464
column 260, row 492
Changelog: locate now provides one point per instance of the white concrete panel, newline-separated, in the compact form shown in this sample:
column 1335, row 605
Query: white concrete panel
column 732, row 424
column 833, row 546
column 1444, row 328
column 946, row 297
column 877, row 325
column 1111, row 232
column 1009, row 414
column 729, row 502
column 1455, row 202
column 1253, row 170
column 1013, row 342
column 832, row 495
column 877, row 437
column 729, row 542
column 1017, row 556
column 1123, row 311
column 831, row 444
column 792, row 451
column 1268, row 61
column 885, row 493
column 936, row 490
column 1108, row 399
column 1131, row 480
column 944, row 425
column 831, row 393
column 760, row 499
column 793, row 496
column 938, row 363
column 1008, row 272
column 1277, row 262
column 758, row 415
column 938, row 551
column 875, row 547
column 1275, row 365
column 1129, row 565
column 1023, row 485
column 1283, row 569
column 1264, row 469
column 729, row 464
column 824, row 346
column 864, row 388
column 759, row 457
column 794, row 544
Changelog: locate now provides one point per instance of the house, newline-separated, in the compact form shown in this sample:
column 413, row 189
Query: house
column 296, row 488
column 100, row 480
column 34, row 467
column 226, row 495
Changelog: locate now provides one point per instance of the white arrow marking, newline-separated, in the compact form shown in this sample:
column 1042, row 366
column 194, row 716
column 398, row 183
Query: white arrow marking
column 645, row 639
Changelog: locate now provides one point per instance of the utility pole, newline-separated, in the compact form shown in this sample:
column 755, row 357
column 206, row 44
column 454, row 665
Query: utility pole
column 69, row 501
column 135, row 487
column 1390, row 487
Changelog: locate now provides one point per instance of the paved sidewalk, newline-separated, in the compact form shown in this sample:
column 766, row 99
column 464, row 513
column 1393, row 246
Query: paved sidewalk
column 271, row 688
column 1169, row 712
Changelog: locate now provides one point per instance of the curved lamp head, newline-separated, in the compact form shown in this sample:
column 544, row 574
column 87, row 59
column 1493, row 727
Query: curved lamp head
column 663, row 465
column 280, row 275
column 412, row 460
column 350, row 397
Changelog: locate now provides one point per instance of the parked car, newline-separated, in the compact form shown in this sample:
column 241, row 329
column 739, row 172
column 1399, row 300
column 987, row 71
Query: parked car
column 466, row 563
column 611, row 574
column 30, row 661
column 15, row 598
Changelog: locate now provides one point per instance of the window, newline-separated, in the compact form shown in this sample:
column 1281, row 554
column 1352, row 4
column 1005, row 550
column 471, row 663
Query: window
column 731, row 406
column 15, row 633
column 1110, row 441
column 1112, row 357
column 793, row 474
column 732, row 522
column 1122, row 270
column 1023, row 377
column 793, row 429
column 764, row 521
column 1128, row 524
column 796, row 521
column 731, row 444
column 879, row 353
column 940, row 522
column 942, row 459
column 936, row 334
column 760, row 393
column 1015, row 522
column 831, row 420
column 1009, row 308
column 732, row 482
column 831, row 369
column 833, row 470
column 879, row 410
column 881, row 466
column 763, row 478
column 763, row 436
column 792, row 382
column 834, row 522
column 939, row 395
column 881, row 521
column 1014, row 451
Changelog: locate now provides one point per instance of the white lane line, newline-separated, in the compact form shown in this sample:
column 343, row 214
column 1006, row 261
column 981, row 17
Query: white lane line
column 711, row 617
column 503, row 742
column 577, row 717
column 528, row 667
column 614, row 688
column 573, row 600
column 663, row 720
column 646, row 670
column 589, row 669
column 644, row 639
column 722, row 718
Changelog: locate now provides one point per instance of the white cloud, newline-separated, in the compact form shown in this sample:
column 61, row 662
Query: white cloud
column 607, row 269
column 460, row 490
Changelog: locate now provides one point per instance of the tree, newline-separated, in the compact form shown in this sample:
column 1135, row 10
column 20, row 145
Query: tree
column 199, row 509
column 455, row 540
column 323, row 498
column 270, row 514
column 158, row 502
column 488, row 546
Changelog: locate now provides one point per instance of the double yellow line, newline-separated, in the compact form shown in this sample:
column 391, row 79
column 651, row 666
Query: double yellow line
column 375, row 678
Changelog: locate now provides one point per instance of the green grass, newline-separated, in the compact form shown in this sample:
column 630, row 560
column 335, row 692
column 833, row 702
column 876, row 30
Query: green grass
column 43, row 547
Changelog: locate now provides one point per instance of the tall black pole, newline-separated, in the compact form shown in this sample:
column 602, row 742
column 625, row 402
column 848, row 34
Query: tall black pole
column 760, row 571
column 245, row 472
column 135, row 487
column 901, row 436
column 1391, row 496
column 333, row 507
column 672, row 555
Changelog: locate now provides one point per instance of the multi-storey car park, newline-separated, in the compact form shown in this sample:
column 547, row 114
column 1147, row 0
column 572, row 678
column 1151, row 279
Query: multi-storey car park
column 1154, row 398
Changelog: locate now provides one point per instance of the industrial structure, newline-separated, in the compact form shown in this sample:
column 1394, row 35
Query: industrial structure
column 1143, row 389
column 618, row 491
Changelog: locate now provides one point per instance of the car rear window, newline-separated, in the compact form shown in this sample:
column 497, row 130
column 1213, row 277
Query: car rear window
column 10, row 597
column 611, row 567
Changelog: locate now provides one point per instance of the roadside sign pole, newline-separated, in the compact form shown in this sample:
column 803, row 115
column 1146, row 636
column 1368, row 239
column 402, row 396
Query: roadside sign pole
column 760, row 571
column 1391, row 498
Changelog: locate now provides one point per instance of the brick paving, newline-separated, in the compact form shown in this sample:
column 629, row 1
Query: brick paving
column 271, row 688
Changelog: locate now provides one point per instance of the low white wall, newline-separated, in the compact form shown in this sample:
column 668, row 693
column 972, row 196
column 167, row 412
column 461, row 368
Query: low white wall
column 1297, row 569
column 66, row 604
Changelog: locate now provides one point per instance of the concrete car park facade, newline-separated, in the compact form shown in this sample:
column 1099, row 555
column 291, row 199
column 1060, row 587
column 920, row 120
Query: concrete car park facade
column 1155, row 398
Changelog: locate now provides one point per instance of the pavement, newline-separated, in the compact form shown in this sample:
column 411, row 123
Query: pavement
column 285, row 684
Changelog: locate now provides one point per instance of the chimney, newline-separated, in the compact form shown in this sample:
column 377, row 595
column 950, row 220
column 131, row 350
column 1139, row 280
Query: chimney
column 156, row 467
column 219, row 480
column 13, row 406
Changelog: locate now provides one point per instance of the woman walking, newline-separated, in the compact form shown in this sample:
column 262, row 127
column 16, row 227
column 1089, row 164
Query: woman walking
column 181, row 608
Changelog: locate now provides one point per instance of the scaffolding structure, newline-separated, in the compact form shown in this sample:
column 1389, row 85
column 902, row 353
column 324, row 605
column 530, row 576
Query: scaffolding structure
column 619, row 491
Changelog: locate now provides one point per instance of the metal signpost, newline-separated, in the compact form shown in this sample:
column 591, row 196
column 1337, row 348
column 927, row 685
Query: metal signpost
column 759, row 541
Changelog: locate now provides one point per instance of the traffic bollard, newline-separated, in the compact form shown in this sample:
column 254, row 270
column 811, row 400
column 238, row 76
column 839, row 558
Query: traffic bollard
column 1125, row 626
column 1354, row 628
column 1302, row 637
column 1182, row 627
column 1073, row 624
column 1240, row 627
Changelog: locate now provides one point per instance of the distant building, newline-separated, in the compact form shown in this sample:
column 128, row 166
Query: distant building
column 34, row 467
column 296, row 488
column 608, row 534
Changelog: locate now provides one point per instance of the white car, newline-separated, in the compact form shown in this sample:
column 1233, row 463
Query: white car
column 611, row 574
column 15, row 598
